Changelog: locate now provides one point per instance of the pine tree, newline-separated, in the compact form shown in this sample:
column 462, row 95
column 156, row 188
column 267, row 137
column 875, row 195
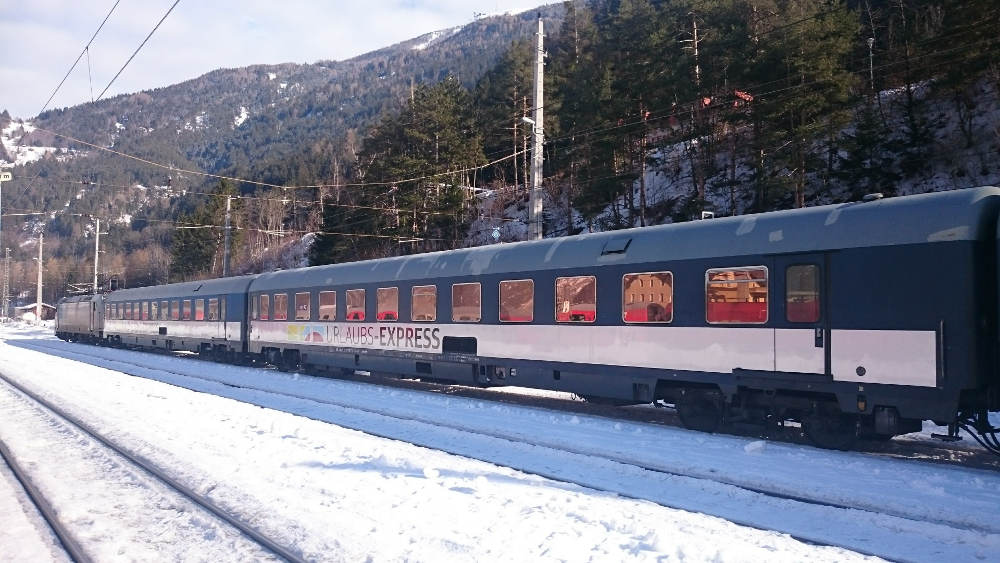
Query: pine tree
column 810, row 96
column 197, row 246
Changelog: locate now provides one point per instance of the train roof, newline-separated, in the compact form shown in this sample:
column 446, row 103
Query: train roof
column 967, row 214
column 79, row 298
column 220, row 286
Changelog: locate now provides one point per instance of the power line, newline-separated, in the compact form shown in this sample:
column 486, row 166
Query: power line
column 270, row 185
column 157, row 26
column 85, row 50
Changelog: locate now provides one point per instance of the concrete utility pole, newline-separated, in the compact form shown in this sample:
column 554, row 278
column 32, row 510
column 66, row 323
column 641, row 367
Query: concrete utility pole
column 225, row 256
column 5, row 297
column 535, row 203
column 5, row 176
column 97, row 251
column 38, row 289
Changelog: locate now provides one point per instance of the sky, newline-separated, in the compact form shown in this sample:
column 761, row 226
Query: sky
column 40, row 39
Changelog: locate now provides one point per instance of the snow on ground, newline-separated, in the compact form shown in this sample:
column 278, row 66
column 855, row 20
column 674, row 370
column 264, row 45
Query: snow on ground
column 23, row 533
column 10, row 137
column 343, row 494
column 239, row 119
column 115, row 517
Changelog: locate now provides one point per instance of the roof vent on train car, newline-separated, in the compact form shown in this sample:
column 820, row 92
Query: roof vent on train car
column 873, row 197
column 616, row 246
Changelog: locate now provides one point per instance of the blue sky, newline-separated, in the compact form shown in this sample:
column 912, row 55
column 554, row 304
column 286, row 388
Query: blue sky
column 40, row 39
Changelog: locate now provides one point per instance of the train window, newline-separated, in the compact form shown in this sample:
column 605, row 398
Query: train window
column 355, row 304
column 281, row 306
column 164, row 310
column 154, row 310
column 213, row 309
column 423, row 303
column 186, row 310
column 175, row 310
column 736, row 295
column 128, row 311
column 328, row 305
column 576, row 299
column 114, row 311
column 145, row 310
column 107, row 311
column 517, row 301
column 387, row 304
column 199, row 309
column 466, row 303
column 302, row 312
column 265, row 307
column 648, row 297
column 802, row 293
column 222, row 308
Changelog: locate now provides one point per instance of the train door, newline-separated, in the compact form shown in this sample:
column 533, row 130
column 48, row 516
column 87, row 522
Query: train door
column 93, row 315
column 801, row 326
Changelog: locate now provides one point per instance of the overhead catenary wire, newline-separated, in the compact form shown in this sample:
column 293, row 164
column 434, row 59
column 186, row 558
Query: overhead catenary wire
column 509, row 156
column 157, row 26
column 936, row 63
column 550, row 141
column 85, row 50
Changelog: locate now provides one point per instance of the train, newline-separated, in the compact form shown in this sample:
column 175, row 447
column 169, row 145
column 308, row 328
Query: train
column 852, row 320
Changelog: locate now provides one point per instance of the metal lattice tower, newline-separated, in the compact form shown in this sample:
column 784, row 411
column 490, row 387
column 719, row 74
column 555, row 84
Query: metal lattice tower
column 5, row 296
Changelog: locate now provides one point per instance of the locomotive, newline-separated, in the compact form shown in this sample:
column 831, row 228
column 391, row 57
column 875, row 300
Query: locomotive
column 853, row 319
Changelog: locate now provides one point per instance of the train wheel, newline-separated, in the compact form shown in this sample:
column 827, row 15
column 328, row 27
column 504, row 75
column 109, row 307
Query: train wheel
column 288, row 360
column 831, row 430
column 700, row 410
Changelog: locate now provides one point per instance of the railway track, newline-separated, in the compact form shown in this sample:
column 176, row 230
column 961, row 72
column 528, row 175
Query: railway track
column 66, row 540
column 115, row 456
column 946, row 453
column 792, row 500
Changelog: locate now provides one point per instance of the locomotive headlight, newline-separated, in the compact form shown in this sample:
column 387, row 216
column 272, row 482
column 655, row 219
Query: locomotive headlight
column 862, row 403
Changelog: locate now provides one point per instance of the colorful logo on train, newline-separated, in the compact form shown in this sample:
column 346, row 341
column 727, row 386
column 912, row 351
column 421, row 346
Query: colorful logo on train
column 307, row 333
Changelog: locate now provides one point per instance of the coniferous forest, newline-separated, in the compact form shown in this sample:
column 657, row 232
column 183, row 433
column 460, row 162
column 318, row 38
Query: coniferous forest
column 654, row 112
column 745, row 106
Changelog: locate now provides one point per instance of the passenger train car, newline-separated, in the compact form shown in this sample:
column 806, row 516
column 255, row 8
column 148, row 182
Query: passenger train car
column 203, row 316
column 857, row 318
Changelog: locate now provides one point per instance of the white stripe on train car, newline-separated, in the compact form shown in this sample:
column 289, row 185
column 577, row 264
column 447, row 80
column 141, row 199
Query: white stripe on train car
column 204, row 330
column 895, row 357
column 795, row 350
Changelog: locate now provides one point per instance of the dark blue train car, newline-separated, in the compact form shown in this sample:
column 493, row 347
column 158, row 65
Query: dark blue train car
column 866, row 316
column 203, row 316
